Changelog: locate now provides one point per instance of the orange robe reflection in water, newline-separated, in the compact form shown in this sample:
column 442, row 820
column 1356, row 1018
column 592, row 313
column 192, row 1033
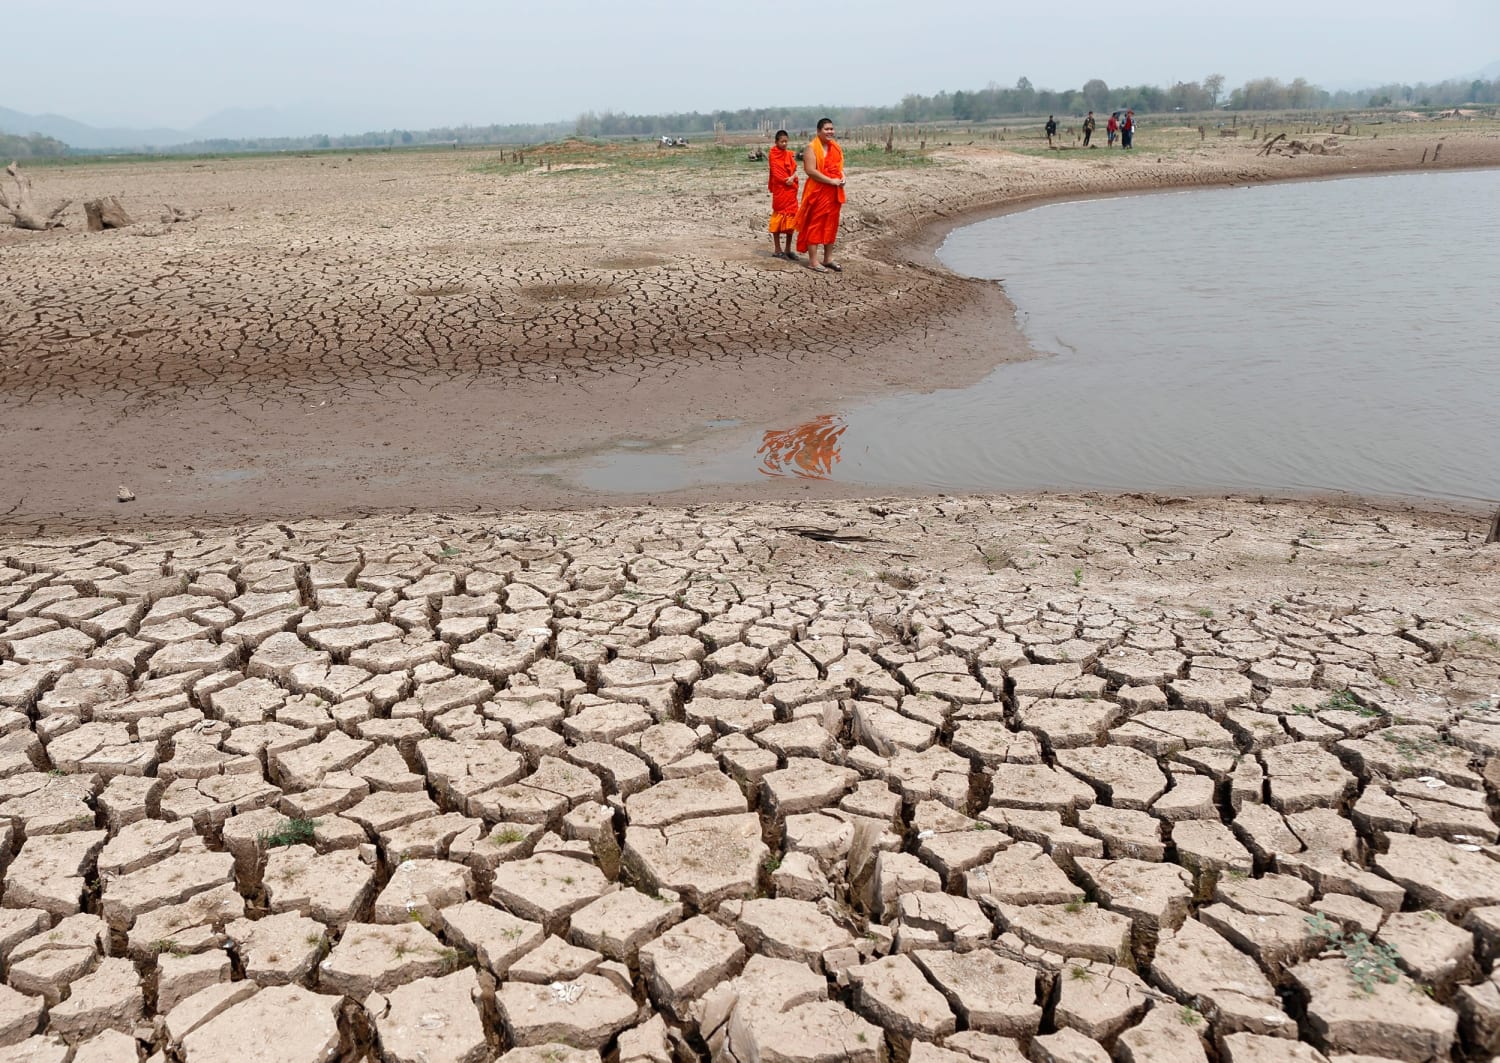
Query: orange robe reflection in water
column 783, row 195
column 810, row 450
column 818, row 218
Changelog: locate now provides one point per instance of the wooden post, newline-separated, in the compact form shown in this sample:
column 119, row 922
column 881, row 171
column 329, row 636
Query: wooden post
column 1494, row 535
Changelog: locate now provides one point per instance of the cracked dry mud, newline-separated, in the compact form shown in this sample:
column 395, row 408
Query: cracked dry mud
column 948, row 780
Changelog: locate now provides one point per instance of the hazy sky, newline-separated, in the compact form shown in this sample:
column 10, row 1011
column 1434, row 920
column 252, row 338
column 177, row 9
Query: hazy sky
column 383, row 63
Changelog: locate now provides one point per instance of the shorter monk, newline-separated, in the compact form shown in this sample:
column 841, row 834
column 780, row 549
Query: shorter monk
column 822, row 198
column 783, row 186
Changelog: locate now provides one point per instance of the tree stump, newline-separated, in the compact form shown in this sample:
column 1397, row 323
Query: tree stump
column 106, row 213
column 22, row 208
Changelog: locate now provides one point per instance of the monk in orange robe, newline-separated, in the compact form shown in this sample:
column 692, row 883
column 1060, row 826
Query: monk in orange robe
column 822, row 198
column 783, row 186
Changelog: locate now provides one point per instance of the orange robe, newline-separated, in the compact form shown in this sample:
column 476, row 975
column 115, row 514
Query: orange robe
column 818, row 217
column 783, row 195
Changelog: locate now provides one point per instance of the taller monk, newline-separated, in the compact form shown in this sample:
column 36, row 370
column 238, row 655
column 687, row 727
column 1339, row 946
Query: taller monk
column 822, row 198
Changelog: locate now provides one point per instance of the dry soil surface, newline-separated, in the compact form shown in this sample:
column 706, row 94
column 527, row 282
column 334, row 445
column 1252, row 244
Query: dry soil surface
column 954, row 780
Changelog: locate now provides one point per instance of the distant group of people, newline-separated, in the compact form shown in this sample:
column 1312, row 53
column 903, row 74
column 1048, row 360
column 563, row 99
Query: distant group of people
column 1121, row 124
column 814, row 219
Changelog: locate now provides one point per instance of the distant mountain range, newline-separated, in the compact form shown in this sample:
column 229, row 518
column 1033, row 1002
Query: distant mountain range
column 234, row 124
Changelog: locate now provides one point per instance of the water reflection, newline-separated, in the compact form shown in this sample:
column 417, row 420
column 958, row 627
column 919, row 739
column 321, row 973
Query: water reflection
column 810, row 450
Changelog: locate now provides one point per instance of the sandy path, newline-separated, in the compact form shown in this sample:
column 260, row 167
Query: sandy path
column 398, row 330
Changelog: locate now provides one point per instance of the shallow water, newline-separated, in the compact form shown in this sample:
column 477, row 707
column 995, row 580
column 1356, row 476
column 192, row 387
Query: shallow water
column 1324, row 336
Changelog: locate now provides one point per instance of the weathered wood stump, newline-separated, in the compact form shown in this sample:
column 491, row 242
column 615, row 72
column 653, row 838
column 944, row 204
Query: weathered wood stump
column 106, row 213
column 22, row 208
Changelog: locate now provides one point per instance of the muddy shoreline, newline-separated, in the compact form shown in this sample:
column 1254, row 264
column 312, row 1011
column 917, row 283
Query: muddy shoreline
column 305, row 442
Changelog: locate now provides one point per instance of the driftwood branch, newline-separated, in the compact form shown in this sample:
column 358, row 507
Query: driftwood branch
column 1266, row 150
column 21, row 204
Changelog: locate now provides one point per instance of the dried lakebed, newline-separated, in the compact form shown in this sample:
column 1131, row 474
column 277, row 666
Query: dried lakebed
column 951, row 780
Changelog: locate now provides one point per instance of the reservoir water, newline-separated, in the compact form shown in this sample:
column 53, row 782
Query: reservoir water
column 1297, row 338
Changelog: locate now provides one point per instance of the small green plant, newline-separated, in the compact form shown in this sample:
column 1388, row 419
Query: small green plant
column 902, row 581
column 997, row 557
column 1408, row 746
column 508, row 836
column 1080, row 974
column 450, row 551
column 1341, row 701
column 1076, row 905
column 1077, row 576
column 56, row 773
column 1322, row 926
column 773, row 863
column 1188, row 1017
column 290, row 832
column 1370, row 963
column 1205, row 612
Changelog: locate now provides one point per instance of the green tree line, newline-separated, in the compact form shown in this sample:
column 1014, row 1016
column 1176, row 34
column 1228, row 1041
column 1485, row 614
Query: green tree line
column 34, row 146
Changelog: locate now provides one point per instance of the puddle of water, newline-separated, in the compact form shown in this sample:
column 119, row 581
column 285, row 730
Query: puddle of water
column 1326, row 336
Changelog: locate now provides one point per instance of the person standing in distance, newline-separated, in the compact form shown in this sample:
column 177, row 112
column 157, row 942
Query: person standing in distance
column 822, row 198
column 1088, row 129
column 783, row 186
column 1051, row 128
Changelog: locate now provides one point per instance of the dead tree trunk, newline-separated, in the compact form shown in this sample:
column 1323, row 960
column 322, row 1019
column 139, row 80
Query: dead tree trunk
column 106, row 213
column 22, row 208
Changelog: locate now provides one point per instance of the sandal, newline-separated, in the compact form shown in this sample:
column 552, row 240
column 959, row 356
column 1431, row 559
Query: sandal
column 815, row 269
column 833, row 266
